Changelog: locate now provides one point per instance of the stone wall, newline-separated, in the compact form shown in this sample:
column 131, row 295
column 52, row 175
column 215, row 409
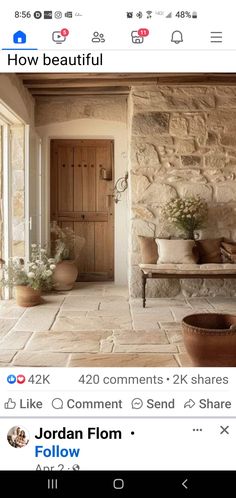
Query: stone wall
column 183, row 142
column 66, row 108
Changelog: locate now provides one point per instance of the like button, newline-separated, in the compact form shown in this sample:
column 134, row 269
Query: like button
column 10, row 404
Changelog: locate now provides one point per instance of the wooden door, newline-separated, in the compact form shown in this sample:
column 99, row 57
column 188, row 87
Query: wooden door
column 81, row 198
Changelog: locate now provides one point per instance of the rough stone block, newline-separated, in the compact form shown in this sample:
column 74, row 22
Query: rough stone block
column 159, row 194
column 150, row 123
column 191, row 161
column 226, row 192
column 185, row 146
column 192, row 189
column 178, row 126
column 139, row 185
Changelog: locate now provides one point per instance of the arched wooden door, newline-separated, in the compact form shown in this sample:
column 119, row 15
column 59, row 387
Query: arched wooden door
column 81, row 198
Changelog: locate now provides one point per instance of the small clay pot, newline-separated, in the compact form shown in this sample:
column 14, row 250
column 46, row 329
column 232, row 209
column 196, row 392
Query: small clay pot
column 65, row 275
column 26, row 296
column 210, row 339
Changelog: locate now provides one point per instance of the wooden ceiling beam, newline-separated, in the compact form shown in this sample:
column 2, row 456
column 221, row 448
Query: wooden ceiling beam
column 54, row 92
column 66, row 83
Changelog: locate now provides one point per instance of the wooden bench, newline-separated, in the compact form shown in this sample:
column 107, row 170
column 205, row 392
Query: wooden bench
column 182, row 271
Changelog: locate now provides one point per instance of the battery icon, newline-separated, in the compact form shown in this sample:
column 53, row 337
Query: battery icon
column 194, row 15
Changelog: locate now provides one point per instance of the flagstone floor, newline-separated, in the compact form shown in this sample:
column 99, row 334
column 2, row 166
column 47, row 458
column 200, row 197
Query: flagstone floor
column 96, row 324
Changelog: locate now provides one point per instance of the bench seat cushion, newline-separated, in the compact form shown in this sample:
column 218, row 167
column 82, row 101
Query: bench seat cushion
column 178, row 269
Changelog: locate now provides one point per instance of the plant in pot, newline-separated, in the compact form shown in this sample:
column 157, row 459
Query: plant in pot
column 29, row 278
column 187, row 214
column 65, row 244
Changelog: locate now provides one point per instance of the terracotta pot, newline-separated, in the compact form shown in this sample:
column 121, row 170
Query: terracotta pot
column 26, row 296
column 65, row 275
column 210, row 339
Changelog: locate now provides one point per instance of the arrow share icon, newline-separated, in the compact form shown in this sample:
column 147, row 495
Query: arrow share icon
column 189, row 404
column 184, row 484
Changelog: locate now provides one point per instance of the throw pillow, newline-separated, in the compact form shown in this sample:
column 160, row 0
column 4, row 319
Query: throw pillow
column 209, row 250
column 148, row 249
column 176, row 251
column 229, row 247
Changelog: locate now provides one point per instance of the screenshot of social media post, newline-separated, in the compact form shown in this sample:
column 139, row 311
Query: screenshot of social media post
column 117, row 245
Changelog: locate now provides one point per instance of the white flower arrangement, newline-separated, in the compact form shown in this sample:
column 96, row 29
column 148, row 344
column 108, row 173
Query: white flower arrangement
column 188, row 214
column 36, row 273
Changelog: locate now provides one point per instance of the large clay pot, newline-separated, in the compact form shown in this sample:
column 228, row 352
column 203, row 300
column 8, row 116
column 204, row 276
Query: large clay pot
column 26, row 296
column 210, row 339
column 65, row 275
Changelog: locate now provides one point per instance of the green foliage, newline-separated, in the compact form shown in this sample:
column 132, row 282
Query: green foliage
column 66, row 242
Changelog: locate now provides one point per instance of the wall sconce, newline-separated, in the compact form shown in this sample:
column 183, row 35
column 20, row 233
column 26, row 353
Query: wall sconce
column 120, row 186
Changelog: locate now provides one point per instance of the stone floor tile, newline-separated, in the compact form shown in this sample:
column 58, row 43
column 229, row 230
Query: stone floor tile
column 145, row 348
column 68, row 341
column 72, row 313
column 53, row 300
column 184, row 360
column 81, row 303
column 220, row 300
column 89, row 323
column 170, row 325
column 106, row 346
column 114, row 306
column 15, row 340
column 110, row 312
column 180, row 313
column 140, row 337
column 156, row 303
column 6, row 324
column 6, row 356
column 224, row 308
column 36, row 319
column 11, row 311
column 118, row 290
column 199, row 303
column 123, row 360
column 181, row 347
column 149, row 321
column 174, row 336
column 161, row 315
column 32, row 359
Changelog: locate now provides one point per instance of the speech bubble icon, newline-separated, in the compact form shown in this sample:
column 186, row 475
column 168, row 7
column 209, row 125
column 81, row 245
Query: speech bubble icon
column 137, row 403
column 57, row 403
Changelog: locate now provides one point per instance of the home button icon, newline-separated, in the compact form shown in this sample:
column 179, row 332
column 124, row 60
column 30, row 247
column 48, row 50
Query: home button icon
column 118, row 484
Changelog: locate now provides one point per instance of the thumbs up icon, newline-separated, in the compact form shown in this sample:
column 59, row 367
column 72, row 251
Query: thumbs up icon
column 10, row 404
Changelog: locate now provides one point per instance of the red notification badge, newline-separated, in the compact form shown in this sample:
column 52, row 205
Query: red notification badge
column 64, row 32
column 143, row 32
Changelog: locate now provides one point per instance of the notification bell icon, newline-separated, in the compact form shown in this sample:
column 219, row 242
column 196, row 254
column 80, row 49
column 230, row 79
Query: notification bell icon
column 177, row 37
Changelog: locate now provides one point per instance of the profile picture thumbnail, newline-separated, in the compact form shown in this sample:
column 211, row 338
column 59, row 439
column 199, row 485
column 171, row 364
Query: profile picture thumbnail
column 18, row 437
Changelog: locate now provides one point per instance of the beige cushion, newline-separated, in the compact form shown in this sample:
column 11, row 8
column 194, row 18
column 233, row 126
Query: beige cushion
column 176, row 251
column 190, row 269
column 148, row 249
column 209, row 250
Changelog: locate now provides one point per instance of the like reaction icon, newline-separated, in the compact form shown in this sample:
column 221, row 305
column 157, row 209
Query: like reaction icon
column 10, row 404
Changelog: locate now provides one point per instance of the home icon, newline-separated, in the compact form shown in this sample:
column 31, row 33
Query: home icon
column 19, row 37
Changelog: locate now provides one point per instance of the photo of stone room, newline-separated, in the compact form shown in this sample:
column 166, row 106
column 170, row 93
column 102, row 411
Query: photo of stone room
column 118, row 220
